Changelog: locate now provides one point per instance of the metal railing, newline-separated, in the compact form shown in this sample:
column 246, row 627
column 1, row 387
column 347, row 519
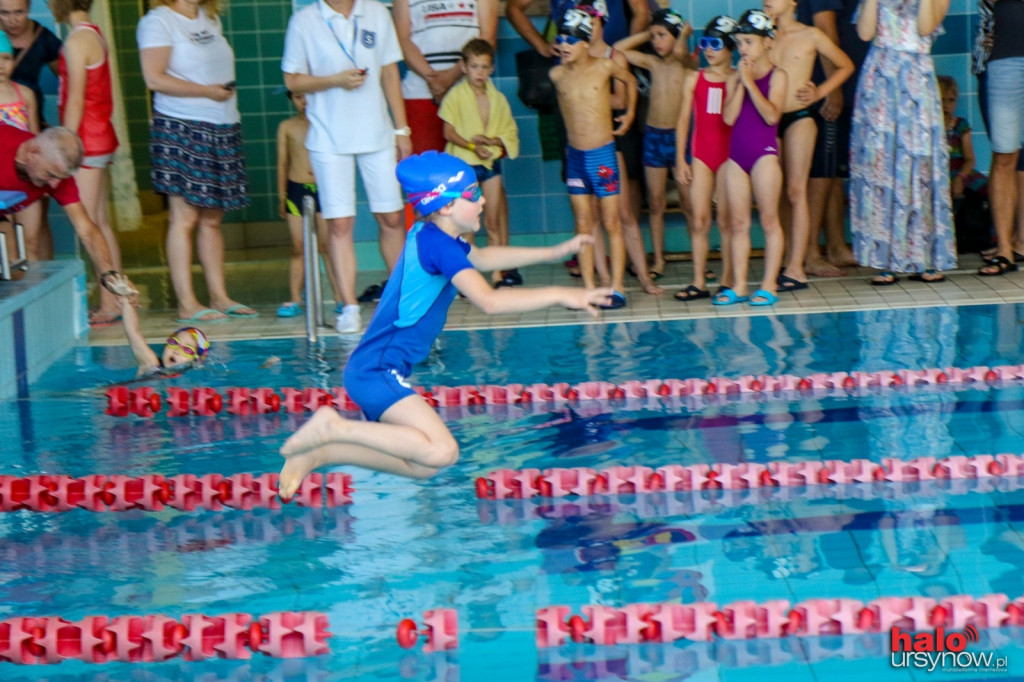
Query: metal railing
column 311, row 255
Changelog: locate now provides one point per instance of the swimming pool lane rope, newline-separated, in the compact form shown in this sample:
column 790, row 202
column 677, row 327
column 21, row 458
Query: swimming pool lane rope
column 123, row 401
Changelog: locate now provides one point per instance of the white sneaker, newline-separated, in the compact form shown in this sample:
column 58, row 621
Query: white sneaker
column 348, row 321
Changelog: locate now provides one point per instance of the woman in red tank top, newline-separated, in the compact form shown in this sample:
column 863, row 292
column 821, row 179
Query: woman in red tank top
column 86, row 104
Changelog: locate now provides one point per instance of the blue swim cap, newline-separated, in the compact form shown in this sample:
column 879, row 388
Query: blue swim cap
column 428, row 177
column 5, row 44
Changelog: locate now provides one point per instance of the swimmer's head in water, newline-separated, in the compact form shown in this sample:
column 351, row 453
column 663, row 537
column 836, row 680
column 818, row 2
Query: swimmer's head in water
column 186, row 346
column 576, row 24
column 432, row 180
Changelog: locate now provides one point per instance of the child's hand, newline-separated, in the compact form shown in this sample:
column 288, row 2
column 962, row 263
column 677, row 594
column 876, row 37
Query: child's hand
column 282, row 208
column 746, row 71
column 572, row 246
column 624, row 122
column 482, row 152
column 807, row 93
column 683, row 173
column 588, row 299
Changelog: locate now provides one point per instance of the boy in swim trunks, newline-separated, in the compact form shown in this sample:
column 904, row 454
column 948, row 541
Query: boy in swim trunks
column 795, row 49
column 668, row 68
column 704, row 99
column 295, row 181
column 403, row 434
column 753, row 107
column 584, row 93
column 184, row 349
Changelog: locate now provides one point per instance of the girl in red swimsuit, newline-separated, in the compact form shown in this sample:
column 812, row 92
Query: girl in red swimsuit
column 704, row 98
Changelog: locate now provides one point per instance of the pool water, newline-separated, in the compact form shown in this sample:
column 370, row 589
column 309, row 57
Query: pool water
column 404, row 547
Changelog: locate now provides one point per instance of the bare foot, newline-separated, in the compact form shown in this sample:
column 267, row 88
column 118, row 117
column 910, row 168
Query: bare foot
column 324, row 427
column 822, row 268
column 842, row 258
column 649, row 287
column 295, row 469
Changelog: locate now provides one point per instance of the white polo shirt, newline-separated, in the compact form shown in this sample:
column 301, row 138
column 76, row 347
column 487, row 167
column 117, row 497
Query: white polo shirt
column 322, row 42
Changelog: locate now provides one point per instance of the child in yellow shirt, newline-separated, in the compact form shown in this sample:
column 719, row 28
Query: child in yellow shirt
column 480, row 130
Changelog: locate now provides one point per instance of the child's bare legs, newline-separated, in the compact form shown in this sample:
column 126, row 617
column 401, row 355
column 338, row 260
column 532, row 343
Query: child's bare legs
column 296, row 262
column 409, row 440
column 739, row 198
column 632, row 236
column 616, row 245
column 766, row 181
column 797, row 154
column 585, row 224
column 702, row 188
column 656, row 179
column 495, row 216
column 92, row 188
column 600, row 249
column 722, row 206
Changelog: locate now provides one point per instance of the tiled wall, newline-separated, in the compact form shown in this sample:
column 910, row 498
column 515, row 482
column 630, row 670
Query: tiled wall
column 537, row 198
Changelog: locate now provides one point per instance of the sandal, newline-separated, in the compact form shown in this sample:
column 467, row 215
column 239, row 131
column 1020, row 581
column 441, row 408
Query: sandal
column 1001, row 264
column 885, row 279
column 928, row 277
column 692, row 293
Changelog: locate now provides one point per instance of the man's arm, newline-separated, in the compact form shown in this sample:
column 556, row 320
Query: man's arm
column 833, row 104
column 515, row 12
column 99, row 253
column 641, row 15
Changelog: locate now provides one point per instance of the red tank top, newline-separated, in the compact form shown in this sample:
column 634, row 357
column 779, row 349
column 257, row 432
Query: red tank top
column 710, row 133
column 96, row 130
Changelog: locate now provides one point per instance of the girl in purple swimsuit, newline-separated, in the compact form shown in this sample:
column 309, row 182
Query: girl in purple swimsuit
column 753, row 107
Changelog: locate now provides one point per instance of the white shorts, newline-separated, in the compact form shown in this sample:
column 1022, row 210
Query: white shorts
column 336, row 182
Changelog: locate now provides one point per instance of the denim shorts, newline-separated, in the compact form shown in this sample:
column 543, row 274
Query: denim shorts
column 1006, row 104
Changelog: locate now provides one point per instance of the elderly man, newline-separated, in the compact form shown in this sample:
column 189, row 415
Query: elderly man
column 37, row 165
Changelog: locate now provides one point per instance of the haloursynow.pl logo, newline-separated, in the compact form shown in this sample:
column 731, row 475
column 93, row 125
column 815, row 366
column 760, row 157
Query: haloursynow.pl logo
column 942, row 650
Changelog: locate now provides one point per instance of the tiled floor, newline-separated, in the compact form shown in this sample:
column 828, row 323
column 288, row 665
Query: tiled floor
column 262, row 284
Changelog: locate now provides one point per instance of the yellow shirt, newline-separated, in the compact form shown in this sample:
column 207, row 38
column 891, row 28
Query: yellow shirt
column 460, row 109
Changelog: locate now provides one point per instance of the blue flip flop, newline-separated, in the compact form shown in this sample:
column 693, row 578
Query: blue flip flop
column 198, row 317
column 232, row 311
column 768, row 298
column 289, row 310
column 728, row 297
column 617, row 301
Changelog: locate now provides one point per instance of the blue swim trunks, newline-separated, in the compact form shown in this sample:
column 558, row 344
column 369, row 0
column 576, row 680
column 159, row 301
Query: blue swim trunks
column 659, row 147
column 594, row 171
column 483, row 173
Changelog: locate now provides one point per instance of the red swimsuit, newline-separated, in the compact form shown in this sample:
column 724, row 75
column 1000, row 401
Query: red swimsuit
column 96, row 130
column 710, row 133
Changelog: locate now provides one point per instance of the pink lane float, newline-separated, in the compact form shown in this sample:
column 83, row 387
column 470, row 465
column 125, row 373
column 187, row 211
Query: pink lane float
column 152, row 492
column 144, row 402
column 563, row 482
column 143, row 639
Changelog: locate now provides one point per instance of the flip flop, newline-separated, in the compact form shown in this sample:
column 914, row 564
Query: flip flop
column 233, row 311
column 98, row 319
column 928, row 277
column 655, row 274
column 617, row 301
column 885, row 279
column 787, row 283
column 768, row 298
column 728, row 297
column 1002, row 265
column 692, row 293
column 198, row 317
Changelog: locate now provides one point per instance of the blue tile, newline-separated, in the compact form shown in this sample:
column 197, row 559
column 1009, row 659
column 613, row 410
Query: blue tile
column 521, row 175
column 558, row 214
column 529, row 141
column 523, row 217
column 552, row 178
column 955, row 39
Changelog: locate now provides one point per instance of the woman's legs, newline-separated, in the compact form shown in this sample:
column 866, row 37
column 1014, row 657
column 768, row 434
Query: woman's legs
column 210, row 245
column 181, row 226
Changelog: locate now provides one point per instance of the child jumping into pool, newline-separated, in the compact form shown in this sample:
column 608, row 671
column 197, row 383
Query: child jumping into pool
column 403, row 434
column 185, row 348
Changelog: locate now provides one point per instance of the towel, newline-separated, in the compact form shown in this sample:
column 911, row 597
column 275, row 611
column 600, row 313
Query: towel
column 459, row 108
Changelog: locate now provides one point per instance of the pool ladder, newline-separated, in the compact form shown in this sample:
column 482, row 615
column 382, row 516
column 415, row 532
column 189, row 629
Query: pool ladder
column 21, row 261
column 311, row 256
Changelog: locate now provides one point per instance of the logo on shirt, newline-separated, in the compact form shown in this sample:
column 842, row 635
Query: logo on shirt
column 203, row 37
column 368, row 39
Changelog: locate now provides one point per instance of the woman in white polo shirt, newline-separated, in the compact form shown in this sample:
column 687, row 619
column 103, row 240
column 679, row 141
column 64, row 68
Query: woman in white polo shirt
column 195, row 143
column 344, row 54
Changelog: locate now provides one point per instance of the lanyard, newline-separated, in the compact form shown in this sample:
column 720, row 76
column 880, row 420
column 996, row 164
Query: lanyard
column 355, row 36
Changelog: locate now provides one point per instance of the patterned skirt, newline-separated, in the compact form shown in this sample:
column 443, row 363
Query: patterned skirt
column 200, row 162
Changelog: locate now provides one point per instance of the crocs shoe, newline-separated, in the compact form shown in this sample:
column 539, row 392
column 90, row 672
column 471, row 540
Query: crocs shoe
column 616, row 301
column 289, row 309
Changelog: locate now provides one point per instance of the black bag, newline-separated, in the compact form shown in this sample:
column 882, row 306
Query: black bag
column 973, row 223
column 535, row 87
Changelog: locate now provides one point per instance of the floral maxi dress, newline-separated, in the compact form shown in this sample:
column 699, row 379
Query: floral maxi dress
column 900, row 207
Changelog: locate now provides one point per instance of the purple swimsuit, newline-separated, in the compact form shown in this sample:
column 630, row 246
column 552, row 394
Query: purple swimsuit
column 752, row 138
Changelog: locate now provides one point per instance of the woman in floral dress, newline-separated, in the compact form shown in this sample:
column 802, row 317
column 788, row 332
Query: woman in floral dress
column 900, row 207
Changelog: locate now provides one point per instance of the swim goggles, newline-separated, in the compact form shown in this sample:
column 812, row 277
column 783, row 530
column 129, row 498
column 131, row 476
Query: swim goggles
column 202, row 344
column 471, row 193
column 712, row 43
column 564, row 39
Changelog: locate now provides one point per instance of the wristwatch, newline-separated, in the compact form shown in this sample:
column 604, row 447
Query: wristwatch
column 404, row 132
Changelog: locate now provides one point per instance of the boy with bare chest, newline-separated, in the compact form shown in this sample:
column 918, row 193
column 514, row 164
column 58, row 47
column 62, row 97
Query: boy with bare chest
column 795, row 49
column 583, row 83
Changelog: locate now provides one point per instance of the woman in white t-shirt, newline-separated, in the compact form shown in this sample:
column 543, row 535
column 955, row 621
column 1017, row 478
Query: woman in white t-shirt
column 195, row 143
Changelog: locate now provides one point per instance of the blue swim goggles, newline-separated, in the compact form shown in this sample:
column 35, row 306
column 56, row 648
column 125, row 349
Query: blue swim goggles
column 567, row 40
column 712, row 43
column 471, row 193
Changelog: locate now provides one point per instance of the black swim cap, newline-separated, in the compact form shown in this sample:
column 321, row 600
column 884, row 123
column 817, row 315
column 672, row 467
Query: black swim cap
column 577, row 23
column 722, row 27
column 670, row 19
column 757, row 23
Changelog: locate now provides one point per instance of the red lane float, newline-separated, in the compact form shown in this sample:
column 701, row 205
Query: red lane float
column 153, row 492
column 526, row 483
column 440, row 627
column 143, row 402
column 137, row 639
